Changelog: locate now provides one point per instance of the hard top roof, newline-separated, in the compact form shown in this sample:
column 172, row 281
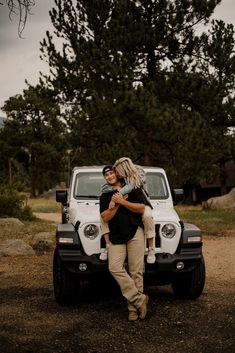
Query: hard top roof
column 100, row 167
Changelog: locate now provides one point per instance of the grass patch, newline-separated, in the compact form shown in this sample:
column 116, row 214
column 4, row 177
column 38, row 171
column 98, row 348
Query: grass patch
column 44, row 205
column 196, row 213
column 30, row 228
column 27, row 231
column 211, row 222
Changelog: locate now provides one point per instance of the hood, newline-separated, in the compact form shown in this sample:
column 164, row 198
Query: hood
column 85, row 211
column 89, row 212
column 164, row 214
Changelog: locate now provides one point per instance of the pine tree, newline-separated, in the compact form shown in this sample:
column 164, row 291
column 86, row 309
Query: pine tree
column 33, row 137
column 132, row 81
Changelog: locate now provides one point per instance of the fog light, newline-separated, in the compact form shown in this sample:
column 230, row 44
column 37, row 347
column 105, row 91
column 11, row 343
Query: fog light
column 180, row 265
column 82, row 266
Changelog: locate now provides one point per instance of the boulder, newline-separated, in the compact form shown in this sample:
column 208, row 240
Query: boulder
column 47, row 237
column 11, row 221
column 15, row 247
column 43, row 242
column 221, row 202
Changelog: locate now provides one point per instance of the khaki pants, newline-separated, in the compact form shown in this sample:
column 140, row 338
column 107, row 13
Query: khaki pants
column 131, row 282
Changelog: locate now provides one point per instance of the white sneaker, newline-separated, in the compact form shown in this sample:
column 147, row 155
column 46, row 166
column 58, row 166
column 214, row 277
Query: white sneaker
column 104, row 254
column 151, row 258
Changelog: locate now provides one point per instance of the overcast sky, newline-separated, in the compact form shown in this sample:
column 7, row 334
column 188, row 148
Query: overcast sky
column 19, row 58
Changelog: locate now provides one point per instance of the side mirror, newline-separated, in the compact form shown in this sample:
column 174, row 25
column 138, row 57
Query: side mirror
column 61, row 196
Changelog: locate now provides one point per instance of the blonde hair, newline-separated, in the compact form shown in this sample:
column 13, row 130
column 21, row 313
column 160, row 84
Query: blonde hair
column 129, row 171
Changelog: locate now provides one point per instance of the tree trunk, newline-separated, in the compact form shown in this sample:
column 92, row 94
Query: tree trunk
column 223, row 178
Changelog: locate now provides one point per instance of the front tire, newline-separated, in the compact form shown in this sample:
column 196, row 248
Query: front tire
column 66, row 284
column 190, row 285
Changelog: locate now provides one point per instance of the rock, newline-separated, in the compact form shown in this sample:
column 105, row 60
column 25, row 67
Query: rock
column 221, row 202
column 50, row 236
column 43, row 242
column 44, row 237
column 10, row 221
column 15, row 247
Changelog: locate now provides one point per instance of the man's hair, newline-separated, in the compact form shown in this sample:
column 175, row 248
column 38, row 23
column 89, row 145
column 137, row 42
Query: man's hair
column 129, row 171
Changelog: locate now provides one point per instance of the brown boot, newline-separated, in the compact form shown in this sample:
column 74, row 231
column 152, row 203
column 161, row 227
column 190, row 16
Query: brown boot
column 133, row 316
column 143, row 308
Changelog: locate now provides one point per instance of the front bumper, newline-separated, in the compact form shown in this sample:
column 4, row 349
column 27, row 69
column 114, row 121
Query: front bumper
column 165, row 263
column 72, row 258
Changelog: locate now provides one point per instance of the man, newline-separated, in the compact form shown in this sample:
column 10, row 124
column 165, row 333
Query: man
column 126, row 240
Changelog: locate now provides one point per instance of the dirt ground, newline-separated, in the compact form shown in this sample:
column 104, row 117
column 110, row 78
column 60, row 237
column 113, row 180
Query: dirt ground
column 32, row 322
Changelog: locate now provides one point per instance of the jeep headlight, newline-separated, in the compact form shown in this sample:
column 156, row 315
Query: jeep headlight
column 168, row 230
column 91, row 231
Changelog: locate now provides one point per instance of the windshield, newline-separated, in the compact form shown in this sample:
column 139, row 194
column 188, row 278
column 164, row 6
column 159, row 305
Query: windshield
column 156, row 186
column 88, row 185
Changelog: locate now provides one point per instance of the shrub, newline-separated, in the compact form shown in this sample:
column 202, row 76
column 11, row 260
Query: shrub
column 11, row 204
column 27, row 214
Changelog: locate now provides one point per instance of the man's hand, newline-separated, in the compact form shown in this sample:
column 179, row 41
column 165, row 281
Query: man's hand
column 132, row 206
column 108, row 214
column 118, row 198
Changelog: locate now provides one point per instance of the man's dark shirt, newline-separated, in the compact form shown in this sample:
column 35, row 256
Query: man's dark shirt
column 124, row 224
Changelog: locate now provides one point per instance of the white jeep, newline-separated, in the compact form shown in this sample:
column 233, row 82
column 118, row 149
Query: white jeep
column 178, row 245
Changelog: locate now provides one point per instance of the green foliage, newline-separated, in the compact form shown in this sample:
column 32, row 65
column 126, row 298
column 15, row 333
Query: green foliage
column 26, row 214
column 132, row 78
column 197, row 214
column 11, row 204
column 32, row 142
column 211, row 222
column 130, row 72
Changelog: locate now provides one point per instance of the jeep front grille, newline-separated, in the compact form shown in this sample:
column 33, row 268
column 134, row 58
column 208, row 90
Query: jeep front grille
column 157, row 238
